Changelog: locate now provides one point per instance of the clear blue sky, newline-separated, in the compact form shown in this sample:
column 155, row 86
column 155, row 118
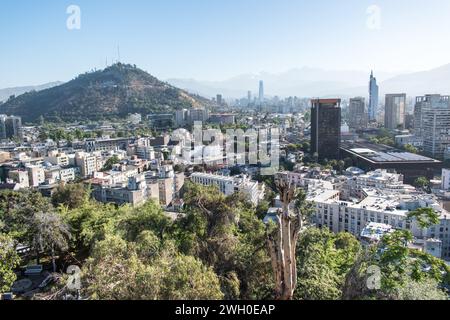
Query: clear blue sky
column 217, row 39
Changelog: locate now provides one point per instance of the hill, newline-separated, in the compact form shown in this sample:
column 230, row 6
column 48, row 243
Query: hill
column 6, row 93
column 113, row 92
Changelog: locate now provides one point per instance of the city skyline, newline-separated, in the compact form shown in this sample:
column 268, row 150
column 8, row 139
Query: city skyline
column 235, row 37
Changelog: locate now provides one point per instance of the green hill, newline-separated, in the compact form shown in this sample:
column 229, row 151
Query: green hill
column 113, row 92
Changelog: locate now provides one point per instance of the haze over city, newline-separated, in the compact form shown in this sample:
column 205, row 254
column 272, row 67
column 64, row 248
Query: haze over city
column 217, row 40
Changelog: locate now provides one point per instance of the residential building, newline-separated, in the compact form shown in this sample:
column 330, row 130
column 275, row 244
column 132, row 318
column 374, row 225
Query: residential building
column 409, row 139
column 357, row 113
column 198, row 115
column 20, row 177
column 87, row 162
column 445, row 179
column 36, row 175
column 229, row 185
column 181, row 117
column 395, row 108
column 383, row 208
column 57, row 158
column 432, row 123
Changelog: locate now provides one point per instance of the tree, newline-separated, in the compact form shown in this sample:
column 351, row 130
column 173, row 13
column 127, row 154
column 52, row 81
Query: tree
column 110, row 163
column 17, row 210
column 323, row 260
column 426, row 217
column 147, row 217
column 115, row 271
column 282, row 242
column 91, row 222
column 396, row 270
column 425, row 290
column 226, row 234
column 9, row 260
column 48, row 233
column 411, row 148
column 422, row 183
column 70, row 195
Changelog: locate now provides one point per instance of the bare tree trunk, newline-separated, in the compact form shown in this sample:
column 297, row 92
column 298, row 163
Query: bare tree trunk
column 53, row 259
column 282, row 245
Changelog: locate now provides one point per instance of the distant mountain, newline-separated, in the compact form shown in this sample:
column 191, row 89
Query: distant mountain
column 303, row 82
column 113, row 92
column 419, row 83
column 6, row 93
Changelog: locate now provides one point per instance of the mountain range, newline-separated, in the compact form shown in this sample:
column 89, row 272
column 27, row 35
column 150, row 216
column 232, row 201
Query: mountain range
column 314, row 82
column 116, row 91
column 122, row 89
column 6, row 93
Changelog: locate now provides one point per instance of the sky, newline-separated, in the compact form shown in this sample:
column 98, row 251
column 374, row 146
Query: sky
column 220, row 39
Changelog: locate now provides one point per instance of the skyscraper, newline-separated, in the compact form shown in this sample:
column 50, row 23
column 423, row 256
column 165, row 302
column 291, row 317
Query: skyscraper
column 249, row 97
column 326, row 128
column 373, row 98
column 394, row 114
column 357, row 113
column 432, row 123
column 261, row 92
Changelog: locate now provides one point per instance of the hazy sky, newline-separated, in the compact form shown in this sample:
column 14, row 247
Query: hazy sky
column 218, row 39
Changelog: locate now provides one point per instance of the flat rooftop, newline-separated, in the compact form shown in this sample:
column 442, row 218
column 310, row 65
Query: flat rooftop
column 384, row 154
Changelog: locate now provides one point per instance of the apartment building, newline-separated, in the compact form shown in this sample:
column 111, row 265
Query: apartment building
column 36, row 175
column 432, row 123
column 229, row 185
column 388, row 208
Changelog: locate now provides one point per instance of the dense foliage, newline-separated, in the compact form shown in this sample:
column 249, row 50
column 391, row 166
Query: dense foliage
column 216, row 249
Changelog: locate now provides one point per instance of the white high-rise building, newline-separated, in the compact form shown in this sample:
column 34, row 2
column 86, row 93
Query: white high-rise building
column 432, row 123
column 395, row 108
column 261, row 92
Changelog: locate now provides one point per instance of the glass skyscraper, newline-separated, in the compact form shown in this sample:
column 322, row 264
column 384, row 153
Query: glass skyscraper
column 373, row 98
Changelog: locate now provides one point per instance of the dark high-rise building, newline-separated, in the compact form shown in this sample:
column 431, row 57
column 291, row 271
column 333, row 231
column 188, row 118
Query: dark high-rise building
column 326, row 128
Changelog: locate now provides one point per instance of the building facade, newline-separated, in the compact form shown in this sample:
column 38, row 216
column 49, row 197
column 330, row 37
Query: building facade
column 432, row 123
column 373, row 98
column 357, row 113
column 394, row 115
column 326, row 128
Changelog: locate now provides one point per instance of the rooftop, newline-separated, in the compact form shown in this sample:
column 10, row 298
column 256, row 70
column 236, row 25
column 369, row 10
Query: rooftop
column 384, row 154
